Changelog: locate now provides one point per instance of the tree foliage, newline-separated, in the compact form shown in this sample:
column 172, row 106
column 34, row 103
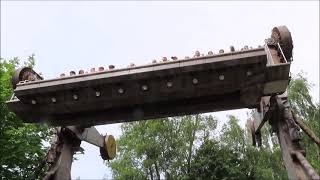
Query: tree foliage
column 21, row 144
column 161, row 148
column 188, row 148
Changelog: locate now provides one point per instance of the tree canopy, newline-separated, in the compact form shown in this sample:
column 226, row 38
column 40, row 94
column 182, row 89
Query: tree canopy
column 21, row 144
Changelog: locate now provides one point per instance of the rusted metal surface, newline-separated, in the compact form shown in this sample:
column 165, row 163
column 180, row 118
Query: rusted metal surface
column 24, row 75
column 288, row 135
column 60, row 155
column 205, row 84
column 281, row 118
column 312, row 174
column 282, row 35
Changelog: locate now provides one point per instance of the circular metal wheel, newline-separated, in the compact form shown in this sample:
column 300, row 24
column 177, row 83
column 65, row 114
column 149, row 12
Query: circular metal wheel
column 282, row 35
column 23, row 74
column 20, row 75
column 110, row 148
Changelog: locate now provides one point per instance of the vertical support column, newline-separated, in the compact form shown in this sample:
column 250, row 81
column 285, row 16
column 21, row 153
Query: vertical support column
column 61, row 155
column 289, row 137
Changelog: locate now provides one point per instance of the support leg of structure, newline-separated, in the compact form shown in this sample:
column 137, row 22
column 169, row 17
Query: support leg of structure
column 65, row 161
column 289, row 137
column 61, row 155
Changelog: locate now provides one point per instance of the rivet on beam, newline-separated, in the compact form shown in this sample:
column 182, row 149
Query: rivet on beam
column 221, row 51
column 75, row 97
column 98, row 93
column 33, row 101
column 221, row 77
column 210, row 53
column 92, row 70
column 62, row 75
column 111, row 67
column 197, row 54
column 195, row 81
column 101, row 68
column 72, row 73
column 81, row 71
column 232, row 49
column 169, row 84
column 53, row 99
column 120, row 91
column 144, row 87
column 164, row 59
column 174, row 58
column 154, row 61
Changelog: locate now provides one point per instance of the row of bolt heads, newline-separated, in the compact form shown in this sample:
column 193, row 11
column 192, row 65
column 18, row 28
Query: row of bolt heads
column 143, row 88
column 164, row 59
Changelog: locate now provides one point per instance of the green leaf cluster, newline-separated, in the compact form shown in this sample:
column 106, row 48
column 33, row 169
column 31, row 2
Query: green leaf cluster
column 21, row 144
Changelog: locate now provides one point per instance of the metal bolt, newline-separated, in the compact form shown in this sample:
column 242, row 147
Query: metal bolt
column 62, row 75
column 232, row 48
column 92, row 70
column 246, row 47
column 81, row 71
column 101, row 68
column 72, row 73
column 164, row 59
column 197, row 54
column 221, row 77
column 120, row 91
column 33, row 101
column 210, row 53
column 53, row 99
column 195, row 81
column 174, row 58
column 111, row 67
column 98, row 93
column 144, row 87
column 221, row 51
column 169, row 84
column 75, row 97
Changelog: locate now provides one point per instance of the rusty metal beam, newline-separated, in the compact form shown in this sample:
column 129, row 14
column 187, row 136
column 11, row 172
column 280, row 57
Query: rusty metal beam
column 288, row 134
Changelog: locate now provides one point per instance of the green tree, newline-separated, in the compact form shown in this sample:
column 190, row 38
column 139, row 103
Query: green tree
column 21, row 144
column 161, row 148
column 216, row 161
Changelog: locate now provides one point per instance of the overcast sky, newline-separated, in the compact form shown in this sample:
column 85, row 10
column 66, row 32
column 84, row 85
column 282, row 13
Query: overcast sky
column 79, row 35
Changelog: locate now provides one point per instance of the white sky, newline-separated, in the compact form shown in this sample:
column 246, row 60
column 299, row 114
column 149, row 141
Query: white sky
column 79, row 35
